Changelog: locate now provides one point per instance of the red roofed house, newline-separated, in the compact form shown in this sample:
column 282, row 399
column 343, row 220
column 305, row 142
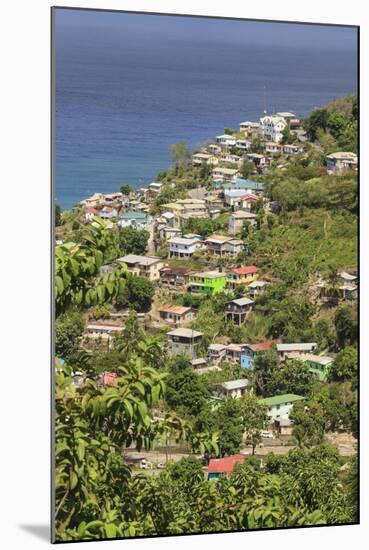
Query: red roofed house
column 242, row 275
column 109, row 379
column 250, row 350
column 223, row 466
column 90, row 213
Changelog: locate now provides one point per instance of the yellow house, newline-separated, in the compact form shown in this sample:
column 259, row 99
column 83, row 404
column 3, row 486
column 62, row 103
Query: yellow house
column 243, row 275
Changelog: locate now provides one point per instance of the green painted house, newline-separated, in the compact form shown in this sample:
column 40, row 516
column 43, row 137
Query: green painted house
column 318, row 365
column 208, row 282
column 280, row 406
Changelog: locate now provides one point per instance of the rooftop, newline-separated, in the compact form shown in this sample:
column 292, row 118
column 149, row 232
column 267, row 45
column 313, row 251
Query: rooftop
column 183, row 240
column 133, row 215
column 224, row 465
column 243, row 214
column 297, row 347
column 341, row 155
column 281, row 399
column 185, row 333
column 258, row 284
column 135, row 259
column 209, row 274
column 172, row 308
column 245, row 270
column 262, row 346
column 241, row 301
column 235, row 384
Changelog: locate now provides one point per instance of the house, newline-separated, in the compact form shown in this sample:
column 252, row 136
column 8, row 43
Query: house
column 283, row 426
column 233, row 388
column 237, row 219
column 216, row 352
column 143, row 266
column 226, row 140
column 90, row 213
column 233, row 352
column 242, row 275
column 345, row 291
column 174, row 277
column 272, row 127
column 170, row 218
column 250, row 351
column 199, row 159
column 184, row 341
column 214, row 149
column 219, row 467
column 237, row 310
column 108, row 212
column 103, row 331
column 289, row 118
column 103, row 328
column 318, row 364
column 243, row 144
column 200, row 366
column 347, row 277
column 232, row 197
column 166, row 233
column 231, row 159
column 257, row 159
column 176, row 315
column 183, row 247
column 92, row 202
column 233, row 247
column 272, row 147
column 340, row 162
column 154, row 188
column 131, row 218
column 249, row 127
column 222, row 245
column 280, row 406
column 184, row 209
column 221, row 173
column 290, row 149
column 108, row 379
column 256, row 288
column 299, row 349
column 208, row 282
column 248, row 186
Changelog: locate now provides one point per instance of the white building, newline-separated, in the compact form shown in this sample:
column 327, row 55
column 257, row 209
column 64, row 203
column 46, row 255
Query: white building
column 234, row 388
column 272, row 127
column 299, row 349
column 182, row 247
column 226, row 140
column 339, row 162
column 280, row 406
column 237, row 219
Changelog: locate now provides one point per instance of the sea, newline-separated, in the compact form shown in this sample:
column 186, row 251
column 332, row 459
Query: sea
column 127, row 86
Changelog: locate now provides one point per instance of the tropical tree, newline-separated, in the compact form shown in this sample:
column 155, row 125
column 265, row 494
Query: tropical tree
column 254, row 419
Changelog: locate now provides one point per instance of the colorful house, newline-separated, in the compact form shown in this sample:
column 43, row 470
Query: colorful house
column 280, row 406
column 131, row 218
column 318, row 365
column 249, row 352
column 242, row 275
column 223, row 466
column 208, row 282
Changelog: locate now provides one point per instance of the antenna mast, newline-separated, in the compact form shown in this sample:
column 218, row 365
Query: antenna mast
column 265, row 110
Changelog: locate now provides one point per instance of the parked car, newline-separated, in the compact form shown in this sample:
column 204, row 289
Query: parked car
column 267, row 434
column 146, row 465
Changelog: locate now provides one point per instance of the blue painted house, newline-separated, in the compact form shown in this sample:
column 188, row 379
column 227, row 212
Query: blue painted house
column 249, row 352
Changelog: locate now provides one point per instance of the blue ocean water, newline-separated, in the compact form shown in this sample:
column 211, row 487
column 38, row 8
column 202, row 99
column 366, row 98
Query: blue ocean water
column 128, row 86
